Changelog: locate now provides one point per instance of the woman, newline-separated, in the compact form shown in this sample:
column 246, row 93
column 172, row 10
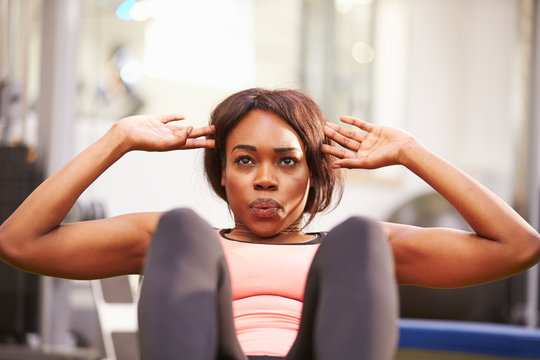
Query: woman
column 268, row 154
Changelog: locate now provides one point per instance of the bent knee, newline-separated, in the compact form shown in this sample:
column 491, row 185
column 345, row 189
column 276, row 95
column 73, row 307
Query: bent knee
column 358, row 233
column 179, row 222
column 360, row 225
column 179, row 215
column 185, row 226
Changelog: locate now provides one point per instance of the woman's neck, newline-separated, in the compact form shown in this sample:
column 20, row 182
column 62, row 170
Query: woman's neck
column 289, row 235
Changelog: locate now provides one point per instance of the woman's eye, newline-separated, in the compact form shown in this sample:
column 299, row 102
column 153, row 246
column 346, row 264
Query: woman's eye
column 244, row 160
column 289, row 161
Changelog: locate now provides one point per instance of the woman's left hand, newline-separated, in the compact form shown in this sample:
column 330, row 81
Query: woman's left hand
column 373, row 147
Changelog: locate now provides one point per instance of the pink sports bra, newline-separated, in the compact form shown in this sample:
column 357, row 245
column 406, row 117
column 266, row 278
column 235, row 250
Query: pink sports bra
column 268, row 283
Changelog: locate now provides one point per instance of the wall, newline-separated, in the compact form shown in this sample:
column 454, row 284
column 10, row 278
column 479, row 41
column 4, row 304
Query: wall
column 457, row 99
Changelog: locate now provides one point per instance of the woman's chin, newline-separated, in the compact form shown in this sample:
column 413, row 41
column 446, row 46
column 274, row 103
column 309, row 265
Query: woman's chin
column 266, row 228
column 266, row 233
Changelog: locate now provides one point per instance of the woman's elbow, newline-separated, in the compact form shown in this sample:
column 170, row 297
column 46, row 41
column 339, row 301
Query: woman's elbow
column 536, row 247
column 529, row 254
column 11, row 251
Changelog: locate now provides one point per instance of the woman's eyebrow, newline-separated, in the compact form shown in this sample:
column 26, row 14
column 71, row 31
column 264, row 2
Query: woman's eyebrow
column 285, row 149
column 245, row 147
column 254, row 148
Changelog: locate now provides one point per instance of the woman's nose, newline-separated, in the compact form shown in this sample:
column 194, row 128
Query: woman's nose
column 265, row 178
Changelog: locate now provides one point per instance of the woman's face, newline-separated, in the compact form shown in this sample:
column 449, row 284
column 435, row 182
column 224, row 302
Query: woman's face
column 265, row 176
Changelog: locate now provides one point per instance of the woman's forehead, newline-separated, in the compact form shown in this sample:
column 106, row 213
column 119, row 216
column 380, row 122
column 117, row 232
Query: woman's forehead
column 264, row 127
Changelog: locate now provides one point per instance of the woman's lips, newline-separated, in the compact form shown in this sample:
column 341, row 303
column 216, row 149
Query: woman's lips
column 264, row 207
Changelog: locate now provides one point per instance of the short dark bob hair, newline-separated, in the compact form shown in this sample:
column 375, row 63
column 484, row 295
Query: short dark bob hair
column 303, row 115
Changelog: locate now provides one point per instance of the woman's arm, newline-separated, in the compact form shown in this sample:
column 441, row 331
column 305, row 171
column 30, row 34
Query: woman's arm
column 33, row 239
column 503, row 243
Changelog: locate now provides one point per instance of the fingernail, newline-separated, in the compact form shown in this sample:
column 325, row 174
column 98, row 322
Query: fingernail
column 189, row 130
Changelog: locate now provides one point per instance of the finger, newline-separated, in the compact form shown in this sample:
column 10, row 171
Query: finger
column 338, row 152
column 350, row 133
column 169, row 117
column 180, row 131
column 361, row 124
column 341, row 139
column 350, row 163
column 328, row 149
column 199, row 143
column 202, row 131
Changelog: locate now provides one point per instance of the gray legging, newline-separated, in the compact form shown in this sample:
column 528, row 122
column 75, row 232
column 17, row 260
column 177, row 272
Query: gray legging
column 185, row 310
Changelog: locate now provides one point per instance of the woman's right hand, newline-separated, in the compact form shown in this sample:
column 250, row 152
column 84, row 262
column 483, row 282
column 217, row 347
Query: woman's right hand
column 34, row 239
column 158, row 133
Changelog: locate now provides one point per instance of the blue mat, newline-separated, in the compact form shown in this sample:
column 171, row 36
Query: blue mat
column 470, row 337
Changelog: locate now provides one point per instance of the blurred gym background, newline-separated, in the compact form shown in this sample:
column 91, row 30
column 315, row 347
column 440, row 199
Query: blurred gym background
column 461, row 75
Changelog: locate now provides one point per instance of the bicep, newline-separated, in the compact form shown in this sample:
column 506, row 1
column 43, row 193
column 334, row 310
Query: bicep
column 446, row 258
column 91, row 249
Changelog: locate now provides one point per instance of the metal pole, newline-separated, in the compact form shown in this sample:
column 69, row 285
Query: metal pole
column 4, row 38
column 4, row 68
column 57, row 112
column 26, row 28
column 533, row 181
column 58, row 90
